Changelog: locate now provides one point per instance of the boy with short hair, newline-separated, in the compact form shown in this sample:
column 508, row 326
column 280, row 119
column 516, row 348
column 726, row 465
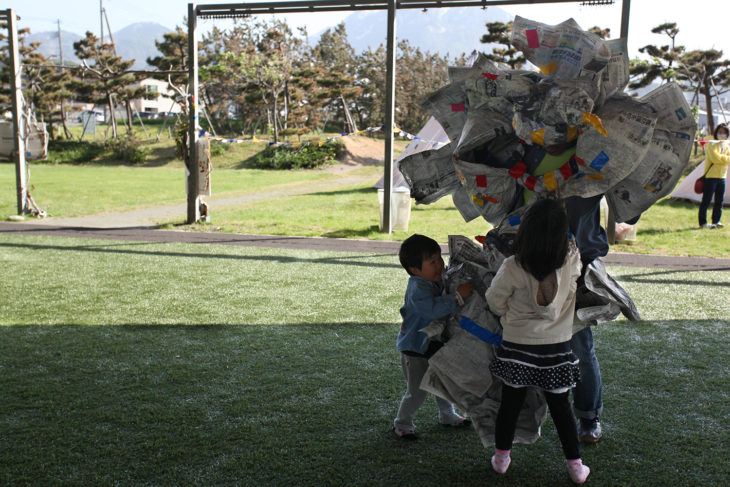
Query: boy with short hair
column 424, row 302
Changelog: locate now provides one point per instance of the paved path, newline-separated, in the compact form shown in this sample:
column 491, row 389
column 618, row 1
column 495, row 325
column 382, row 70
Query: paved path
column 315, row 243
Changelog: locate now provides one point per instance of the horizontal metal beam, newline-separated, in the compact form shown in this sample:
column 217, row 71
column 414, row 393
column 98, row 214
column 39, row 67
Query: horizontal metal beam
column 231, row 10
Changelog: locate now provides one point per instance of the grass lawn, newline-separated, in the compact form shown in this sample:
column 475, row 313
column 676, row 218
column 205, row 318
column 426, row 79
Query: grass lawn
column 175, row 364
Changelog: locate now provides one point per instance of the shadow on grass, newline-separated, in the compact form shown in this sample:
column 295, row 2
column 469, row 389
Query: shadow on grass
column 312, row 404
column 366, row 190
column 354, row 260
column 648, row 278
column 353, row 232
column 158, row 157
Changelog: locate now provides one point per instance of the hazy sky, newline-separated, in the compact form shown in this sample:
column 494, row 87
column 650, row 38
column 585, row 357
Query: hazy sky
column 700, row 26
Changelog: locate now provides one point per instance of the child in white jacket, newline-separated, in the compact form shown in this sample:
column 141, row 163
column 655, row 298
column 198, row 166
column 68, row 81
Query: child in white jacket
column 534, row 294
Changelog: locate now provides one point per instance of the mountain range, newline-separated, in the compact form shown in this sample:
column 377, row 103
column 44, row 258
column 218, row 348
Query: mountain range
column 445, row 31
column 451, row 31
column 136, row 41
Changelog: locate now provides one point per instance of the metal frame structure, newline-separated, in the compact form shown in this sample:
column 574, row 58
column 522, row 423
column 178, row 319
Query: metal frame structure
column 234, row 10
column 16, row 96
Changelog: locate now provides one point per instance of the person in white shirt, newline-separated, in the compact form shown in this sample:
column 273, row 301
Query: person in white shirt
column 534, row 294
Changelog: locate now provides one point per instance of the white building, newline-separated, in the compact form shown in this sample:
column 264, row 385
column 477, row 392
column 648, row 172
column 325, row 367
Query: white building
column 163, row 103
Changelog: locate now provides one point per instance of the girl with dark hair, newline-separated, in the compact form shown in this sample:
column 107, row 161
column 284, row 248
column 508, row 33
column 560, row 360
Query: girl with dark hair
column 534, row 294
column 716, row 161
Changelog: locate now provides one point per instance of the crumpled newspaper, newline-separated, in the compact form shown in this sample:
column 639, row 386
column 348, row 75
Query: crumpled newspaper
column 632, row 150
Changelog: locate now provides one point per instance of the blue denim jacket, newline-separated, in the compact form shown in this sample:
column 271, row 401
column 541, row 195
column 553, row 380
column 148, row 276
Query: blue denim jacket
column 423, row 303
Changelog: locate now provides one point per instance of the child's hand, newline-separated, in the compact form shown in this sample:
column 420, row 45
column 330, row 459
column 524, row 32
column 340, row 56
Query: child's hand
column 465, row 289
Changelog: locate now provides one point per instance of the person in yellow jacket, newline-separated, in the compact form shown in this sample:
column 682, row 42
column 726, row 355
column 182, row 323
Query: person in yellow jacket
column 717, row 157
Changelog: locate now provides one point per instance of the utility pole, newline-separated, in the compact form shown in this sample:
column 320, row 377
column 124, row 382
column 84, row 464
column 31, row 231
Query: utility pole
column 193, row 186
column 389, row 120
column 16, row 96
column 60, row 56
column 60, row 42
column 101, row 20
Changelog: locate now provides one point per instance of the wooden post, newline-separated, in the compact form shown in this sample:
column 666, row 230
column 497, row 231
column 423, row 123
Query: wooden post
column 16, row 95
column 611, row 218
column 389, row 121
column 625, row 7
column 193, row 209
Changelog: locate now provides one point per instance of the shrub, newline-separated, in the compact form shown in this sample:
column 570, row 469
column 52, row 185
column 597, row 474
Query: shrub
column 217, row 149
column 307, row 156
column 126, row 149
column 73, row 151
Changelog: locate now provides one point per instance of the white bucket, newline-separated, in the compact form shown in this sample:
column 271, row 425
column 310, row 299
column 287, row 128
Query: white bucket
column 400, row 208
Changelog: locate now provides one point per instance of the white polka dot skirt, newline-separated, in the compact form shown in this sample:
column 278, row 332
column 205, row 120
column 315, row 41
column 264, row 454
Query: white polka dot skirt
column 550, row 367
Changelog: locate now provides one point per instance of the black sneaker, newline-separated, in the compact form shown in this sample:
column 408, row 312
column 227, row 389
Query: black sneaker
column 589, row 430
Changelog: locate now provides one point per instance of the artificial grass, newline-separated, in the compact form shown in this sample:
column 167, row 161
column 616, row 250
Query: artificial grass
column 117, row 369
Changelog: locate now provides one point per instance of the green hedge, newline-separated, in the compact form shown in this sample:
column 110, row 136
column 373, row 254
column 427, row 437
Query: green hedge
column 306, row 156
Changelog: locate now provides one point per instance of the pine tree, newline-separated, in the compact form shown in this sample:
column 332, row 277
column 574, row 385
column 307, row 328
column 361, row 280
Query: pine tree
column 705, row 71
column 499, row 33
column 106, row 81
column 663, row 60
column 695, row 71
column 44, row 86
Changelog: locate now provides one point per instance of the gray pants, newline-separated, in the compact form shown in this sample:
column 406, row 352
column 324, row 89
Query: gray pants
column 414, row 368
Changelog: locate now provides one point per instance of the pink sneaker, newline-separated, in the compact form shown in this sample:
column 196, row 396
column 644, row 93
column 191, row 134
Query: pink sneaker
column 500, row 460
column 578, row 472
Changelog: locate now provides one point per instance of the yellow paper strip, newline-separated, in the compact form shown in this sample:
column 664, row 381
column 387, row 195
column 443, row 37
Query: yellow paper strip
column 549, row 180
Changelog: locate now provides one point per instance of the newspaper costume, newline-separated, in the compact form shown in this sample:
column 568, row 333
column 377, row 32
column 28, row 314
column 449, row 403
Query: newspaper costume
column 631, row 150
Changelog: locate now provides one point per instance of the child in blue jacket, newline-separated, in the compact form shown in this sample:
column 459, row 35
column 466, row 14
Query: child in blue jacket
column 424, row 302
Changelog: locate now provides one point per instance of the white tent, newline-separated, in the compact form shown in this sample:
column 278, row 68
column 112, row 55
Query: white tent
column 685, row 190
column 431, row 136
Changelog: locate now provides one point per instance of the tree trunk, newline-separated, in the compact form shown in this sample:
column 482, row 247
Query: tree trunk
column 110, row 102
column 129, row 117
column 66, row 132
column 708, row 105
column 286, row 104
column 275, row 118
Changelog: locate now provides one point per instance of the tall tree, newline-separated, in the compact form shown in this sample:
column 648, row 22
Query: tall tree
column 106, row 81
column 254, row 60
column 418, row 74
column 499, row 33
column 700, row 71
column 44, row 86
column 707, row 73
column 334, row 61
column 663, row 59
column 371, row 78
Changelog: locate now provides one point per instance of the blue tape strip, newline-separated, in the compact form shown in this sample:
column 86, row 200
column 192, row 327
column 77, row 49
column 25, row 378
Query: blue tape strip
column 481, row 333
column 514, row 220
column 600, row 161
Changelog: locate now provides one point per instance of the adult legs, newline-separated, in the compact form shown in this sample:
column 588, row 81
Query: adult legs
column 707, row 192
column 719, row 197
column 587, row 394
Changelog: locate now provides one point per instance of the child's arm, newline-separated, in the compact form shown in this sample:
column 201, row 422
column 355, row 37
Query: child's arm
column 499, row 292
column 425, row 304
